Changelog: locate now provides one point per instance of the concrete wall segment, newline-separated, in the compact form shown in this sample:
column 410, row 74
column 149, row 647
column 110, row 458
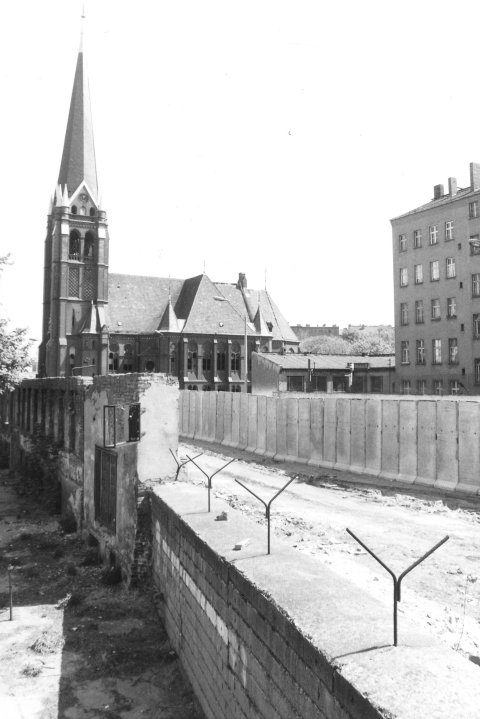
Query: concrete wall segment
column 390, row 439
column 408, row 438
column 393, row 438
column 343, row 439
column 447, row 447
column 426, row 444
column 469, row 447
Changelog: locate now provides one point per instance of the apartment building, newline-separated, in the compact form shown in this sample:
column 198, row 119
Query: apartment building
column 436, row 260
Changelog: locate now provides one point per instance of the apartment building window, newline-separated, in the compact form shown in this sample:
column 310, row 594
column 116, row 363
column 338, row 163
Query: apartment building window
column 435, row 306
column 454, row 386
column 420, row 351
column 417, row 238
column 405, row 386
column 452, row 350
column 437, row 386
column 421, row 386
column 404, row 313
column 434, row 270
column 402, row 243
column 476, row 284
column 418, row 274
column 477, row 370
column 449, row 230
column 405, row 351
column 473, row 209
column 451, row 307
column 476, row 327
column 450, row 264
column 403, row 276
column 474, row 242
column 419, row 312
column 437, row 351
column 433, row 234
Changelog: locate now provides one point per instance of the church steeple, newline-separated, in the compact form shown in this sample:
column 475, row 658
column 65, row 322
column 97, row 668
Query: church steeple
column 74, row 339
column 78, row 158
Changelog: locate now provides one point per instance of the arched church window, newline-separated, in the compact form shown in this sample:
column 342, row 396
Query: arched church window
column 207, row 357
column 235, row 357
column 172, row 358
column 192, row 386
column 74, row 209
column 73, row 320
column 71, row 358
column 149, row 366
column 83, row 210
column 221, row 358
column 88, row 246
column 192, row 357
column 74, row 245
column 92, row 212
column 206, row 388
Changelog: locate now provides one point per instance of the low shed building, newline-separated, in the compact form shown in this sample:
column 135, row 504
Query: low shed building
column 273, row 374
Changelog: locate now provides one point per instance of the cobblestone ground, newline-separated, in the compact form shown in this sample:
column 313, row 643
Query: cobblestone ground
column 79, row 646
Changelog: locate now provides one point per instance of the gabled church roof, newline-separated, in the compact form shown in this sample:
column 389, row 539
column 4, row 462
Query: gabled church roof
column 138, row 304
column 78, row 158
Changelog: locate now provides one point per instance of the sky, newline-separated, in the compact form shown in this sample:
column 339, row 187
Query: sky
column 266, row 137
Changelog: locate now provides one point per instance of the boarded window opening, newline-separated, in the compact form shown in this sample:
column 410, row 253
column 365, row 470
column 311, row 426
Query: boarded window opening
column 106, row 487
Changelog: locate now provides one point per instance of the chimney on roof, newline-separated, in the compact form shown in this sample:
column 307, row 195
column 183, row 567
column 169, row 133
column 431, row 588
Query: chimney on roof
column 242, row 281
column 452, row 186
column 474, row 176
column 438, row 192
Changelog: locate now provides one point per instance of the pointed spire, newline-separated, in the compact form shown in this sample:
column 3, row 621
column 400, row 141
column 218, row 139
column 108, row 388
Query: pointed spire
column 169, row 321
column 78, row 158
column 260, row 323
column 58, row 196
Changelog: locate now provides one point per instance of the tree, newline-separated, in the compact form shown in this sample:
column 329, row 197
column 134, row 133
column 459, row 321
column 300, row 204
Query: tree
column 326, row 345
column 378, row 341
column 14, row 349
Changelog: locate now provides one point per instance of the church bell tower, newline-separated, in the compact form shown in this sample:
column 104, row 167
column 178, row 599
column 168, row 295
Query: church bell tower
column 75, row 291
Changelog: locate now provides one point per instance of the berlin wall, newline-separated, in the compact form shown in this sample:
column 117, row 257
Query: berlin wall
column 424, row 441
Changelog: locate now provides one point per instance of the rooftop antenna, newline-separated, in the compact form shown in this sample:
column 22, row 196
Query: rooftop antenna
column 203, row 266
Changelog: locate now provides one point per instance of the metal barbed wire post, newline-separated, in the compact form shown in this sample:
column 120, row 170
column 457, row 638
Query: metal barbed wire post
column 182, row 464
column 209, row 476
column 397, row 582
column 267, row 505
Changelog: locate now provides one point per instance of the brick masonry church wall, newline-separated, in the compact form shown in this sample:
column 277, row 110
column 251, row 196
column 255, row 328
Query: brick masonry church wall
column 411, row 440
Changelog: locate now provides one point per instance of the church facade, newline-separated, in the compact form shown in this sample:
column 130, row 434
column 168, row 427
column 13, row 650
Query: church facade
column 96, row 322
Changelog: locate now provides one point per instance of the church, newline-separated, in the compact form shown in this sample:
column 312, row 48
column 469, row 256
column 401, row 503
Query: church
column 97, row 322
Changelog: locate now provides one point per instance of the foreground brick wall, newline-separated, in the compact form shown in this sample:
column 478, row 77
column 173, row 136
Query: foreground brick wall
column 284, row 637
column 244, row 657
